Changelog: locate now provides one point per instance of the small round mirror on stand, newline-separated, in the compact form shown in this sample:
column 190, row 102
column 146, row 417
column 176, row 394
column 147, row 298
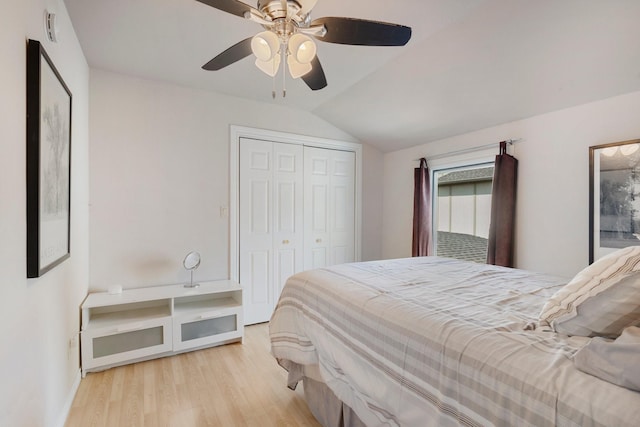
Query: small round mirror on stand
column 191, row 262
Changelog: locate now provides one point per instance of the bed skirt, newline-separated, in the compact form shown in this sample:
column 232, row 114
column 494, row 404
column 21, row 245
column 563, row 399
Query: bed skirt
column 326, row 407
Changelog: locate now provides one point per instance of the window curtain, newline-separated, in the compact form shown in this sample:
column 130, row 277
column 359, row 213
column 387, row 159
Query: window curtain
column 503, row 209
column 421, row 211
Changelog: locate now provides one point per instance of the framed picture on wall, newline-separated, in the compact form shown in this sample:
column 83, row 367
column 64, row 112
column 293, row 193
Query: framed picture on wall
column 614, row 197
column 48, row 163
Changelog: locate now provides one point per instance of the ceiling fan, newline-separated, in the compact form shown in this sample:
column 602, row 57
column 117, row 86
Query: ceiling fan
column 287, row 37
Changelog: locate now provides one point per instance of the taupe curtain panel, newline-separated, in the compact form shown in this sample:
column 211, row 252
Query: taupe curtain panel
column 421, row 211
column 503, row 209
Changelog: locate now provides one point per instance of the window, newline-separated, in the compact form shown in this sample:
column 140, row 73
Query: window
column 462, row 211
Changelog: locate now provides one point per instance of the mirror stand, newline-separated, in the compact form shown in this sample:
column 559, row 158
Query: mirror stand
column 191, row 284
column 191, row 262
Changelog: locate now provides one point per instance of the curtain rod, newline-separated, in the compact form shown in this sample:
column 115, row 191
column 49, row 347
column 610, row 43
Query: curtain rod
column 470, row 150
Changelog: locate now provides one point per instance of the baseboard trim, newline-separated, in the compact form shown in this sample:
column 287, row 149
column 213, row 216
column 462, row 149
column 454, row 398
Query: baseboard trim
column 62, row 419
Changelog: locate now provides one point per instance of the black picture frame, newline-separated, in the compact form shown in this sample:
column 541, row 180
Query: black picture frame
column 614, row 197
column 48, row 163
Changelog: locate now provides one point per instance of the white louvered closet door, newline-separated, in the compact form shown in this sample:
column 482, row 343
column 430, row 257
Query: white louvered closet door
column 271, row 216
column 329, row 207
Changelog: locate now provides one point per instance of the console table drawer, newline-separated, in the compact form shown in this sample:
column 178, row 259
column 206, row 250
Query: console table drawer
column 129, row 341
column 206, row 328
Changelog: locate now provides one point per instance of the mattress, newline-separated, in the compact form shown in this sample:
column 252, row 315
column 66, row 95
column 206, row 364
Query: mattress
column 439, row 342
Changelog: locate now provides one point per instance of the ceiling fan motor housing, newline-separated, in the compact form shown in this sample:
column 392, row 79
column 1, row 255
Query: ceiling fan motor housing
column 272, row 8
column 275, row 10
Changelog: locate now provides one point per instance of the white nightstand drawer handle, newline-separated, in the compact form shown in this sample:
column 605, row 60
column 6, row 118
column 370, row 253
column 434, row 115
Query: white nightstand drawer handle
column 130, row 328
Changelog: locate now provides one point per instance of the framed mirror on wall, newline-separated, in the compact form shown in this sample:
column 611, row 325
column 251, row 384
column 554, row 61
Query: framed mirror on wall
column 614, row 197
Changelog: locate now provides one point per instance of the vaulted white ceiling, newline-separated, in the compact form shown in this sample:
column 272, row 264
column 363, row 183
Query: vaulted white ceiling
column 470, row 64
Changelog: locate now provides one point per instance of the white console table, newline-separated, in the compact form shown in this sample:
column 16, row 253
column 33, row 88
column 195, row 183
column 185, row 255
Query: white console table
column 146, row 323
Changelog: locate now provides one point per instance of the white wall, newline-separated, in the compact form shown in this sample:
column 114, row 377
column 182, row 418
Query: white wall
column 160, row 174
column 552, row 229
column 372, row 184
column 38, row 317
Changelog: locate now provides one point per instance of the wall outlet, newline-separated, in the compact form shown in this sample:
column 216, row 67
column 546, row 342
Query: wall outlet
column 72, row 348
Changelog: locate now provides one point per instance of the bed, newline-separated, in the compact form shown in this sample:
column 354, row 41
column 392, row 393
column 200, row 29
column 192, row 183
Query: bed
column 434, row 341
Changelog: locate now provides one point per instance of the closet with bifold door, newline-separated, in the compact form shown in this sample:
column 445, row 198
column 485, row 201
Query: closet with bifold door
column 297, row 211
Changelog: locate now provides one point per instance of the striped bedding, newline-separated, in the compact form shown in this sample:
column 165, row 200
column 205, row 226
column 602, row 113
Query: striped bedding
column 438, row 342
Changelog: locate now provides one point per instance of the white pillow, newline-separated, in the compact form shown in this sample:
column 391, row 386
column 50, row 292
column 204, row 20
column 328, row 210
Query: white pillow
column 615, row 362
column 601, row 300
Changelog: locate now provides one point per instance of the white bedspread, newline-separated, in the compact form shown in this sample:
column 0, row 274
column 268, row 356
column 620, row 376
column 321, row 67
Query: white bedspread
column 438, row 342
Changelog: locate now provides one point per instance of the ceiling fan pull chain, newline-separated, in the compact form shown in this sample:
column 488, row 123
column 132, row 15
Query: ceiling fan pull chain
column 273, row 78
column 284, row 70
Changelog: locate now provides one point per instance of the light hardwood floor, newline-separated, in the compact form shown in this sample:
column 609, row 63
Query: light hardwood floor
column 230, row 385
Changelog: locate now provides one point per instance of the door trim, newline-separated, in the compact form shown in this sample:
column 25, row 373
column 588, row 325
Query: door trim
column 238, row 132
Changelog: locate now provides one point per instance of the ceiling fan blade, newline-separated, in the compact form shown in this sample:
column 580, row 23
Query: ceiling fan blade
column 315, row 78
column 235, row 53
column 361, row 32
column 307, row 5
column 234, row 7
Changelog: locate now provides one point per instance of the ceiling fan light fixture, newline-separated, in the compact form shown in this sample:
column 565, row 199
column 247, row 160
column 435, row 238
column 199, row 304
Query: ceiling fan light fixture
column 610, row 151
column 297, row 69
column 302, row 48
column 629, row 149
column 285, row 42
column 265, row 45
column 270, row 68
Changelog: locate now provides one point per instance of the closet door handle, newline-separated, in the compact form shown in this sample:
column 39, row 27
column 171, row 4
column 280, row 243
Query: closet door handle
column 318, row 240
column 285, row 242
